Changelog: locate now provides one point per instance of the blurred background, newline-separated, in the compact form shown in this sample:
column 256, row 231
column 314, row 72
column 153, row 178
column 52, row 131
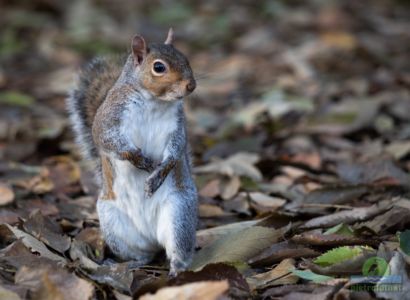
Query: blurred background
column 306, row 83
column 264, row 68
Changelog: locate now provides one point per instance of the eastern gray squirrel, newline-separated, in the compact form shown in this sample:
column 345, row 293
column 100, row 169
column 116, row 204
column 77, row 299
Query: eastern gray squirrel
column 130, row 121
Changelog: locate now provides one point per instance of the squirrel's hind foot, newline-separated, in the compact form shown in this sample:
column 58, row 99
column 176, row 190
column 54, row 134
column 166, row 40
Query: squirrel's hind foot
column 177, row 267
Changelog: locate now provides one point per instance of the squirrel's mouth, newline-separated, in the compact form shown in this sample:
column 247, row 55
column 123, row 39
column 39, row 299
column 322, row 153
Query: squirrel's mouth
column 177, row 95
column 172, row 97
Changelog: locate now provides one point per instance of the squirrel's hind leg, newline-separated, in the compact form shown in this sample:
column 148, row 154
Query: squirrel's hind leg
column 120, row 235
column 176, row 230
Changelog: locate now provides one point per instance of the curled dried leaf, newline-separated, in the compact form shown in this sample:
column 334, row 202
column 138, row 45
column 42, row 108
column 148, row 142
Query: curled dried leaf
column 6, row 194
column 239, row 164
column 279, row 275
column 347, row 216
column 318, row 239
column 205, row 290
column 279, row 251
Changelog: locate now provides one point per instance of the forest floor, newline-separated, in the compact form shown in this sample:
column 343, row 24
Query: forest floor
column 300, row 134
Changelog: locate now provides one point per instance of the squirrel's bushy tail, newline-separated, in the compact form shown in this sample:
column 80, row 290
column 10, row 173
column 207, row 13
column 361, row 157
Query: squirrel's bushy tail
column 93, row 84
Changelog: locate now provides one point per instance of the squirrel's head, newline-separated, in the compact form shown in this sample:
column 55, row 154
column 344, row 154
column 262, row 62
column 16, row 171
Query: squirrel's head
column 163, row 70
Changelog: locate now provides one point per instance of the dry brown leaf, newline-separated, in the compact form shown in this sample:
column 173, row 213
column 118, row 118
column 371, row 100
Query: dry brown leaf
column 8, row 216
column 380, row 172
column 312, row 159
column 397, row 217
column 265, row 202
column 34, row 244
column 279, row 251
column 283, row 180
column 211, row 189
column 215, row 272
column 205, row 290
column 17, row 255
column 6, row 194
column 210, row 210
column 239, row 204
column 64, row 171
column 398, row 149
column 402, row 202
column 277, row 276
column 231, row 188
column 46, row 207
column 335, row 195
column 312, row 186
column 54, row 283
column 344, row 117
column 293, row 172
column 39, row 184
column 318, row 239
column 239, row 164
column 80, row 208
column 47, row 290
column 46, row 231
column 299, row 292
column 117, row 275
column 339, row 39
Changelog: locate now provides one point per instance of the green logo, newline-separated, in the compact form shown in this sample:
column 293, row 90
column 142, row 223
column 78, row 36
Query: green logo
column 375, row 266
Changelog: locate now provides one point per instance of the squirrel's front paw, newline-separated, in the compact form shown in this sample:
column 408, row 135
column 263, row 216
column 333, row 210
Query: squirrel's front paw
column 149, row 165
column 152, row 183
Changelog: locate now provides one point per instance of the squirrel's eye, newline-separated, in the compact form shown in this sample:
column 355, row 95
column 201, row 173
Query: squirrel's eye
column 159, row 67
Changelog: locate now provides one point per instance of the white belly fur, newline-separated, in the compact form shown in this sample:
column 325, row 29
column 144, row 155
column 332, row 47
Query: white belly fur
column 149, row 127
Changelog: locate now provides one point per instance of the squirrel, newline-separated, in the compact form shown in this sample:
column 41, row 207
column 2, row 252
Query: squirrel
column 130, row 121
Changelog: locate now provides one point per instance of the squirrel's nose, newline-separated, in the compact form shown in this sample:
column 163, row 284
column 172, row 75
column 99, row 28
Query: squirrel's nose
column 191, row 86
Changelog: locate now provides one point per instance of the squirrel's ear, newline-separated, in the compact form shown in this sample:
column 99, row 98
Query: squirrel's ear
column 170, row 37
column 139, row 48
